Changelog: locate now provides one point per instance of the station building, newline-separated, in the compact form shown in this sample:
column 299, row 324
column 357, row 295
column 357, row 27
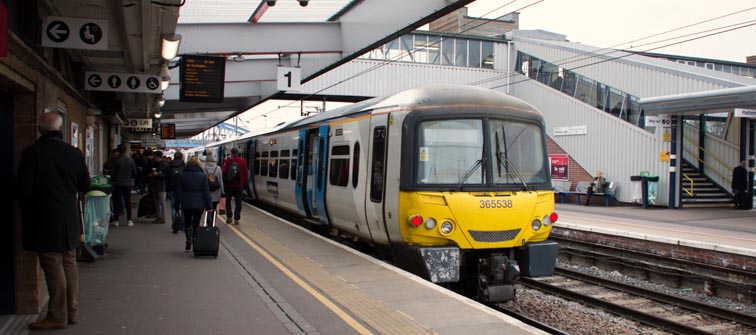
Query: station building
column 621, row 112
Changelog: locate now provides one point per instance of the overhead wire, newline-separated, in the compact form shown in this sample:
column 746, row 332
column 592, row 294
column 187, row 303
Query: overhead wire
column 579, row 57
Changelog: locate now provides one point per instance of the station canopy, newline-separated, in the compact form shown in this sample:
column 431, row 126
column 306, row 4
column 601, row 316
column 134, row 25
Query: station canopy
column 255, row 38
column 708, row 102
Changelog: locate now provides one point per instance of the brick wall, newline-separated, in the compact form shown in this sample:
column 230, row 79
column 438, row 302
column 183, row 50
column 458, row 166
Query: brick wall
column 576, row 174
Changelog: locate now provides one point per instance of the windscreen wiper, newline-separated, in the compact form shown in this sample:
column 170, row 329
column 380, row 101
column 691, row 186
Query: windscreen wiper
column 508, row 165
column 470, row 172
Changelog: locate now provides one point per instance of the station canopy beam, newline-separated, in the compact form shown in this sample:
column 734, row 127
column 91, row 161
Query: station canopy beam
column 255, row 49
column 715, row 101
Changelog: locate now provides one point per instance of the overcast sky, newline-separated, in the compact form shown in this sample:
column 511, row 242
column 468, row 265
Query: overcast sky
column 606, row 23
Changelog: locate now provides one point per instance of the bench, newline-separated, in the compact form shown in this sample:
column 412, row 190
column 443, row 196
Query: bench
column 561, row 188
column 610, row 191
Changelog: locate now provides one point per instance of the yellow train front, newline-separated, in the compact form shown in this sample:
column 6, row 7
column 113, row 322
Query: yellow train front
column 451, row 181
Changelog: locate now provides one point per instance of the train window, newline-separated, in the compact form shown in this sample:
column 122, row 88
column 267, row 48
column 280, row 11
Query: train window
column 264, row 164
column 284, row 153
column 321, row 163
column 273, row 164
column 293, row 172
column 377, row 164
column 339, row 165
column 356, row 164
column 283, row 168
column 518, row 154
column 450, row 152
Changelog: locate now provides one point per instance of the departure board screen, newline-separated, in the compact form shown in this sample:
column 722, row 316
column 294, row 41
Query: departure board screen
column 202, row 78
column 168, row 131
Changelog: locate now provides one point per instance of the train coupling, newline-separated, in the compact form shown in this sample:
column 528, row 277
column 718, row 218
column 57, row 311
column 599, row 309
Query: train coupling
column 497, row 275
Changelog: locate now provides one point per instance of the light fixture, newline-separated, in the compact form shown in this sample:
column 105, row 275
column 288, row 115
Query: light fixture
column 165, row 77
column 158, row 114
column 161, row 101
column 171, row 46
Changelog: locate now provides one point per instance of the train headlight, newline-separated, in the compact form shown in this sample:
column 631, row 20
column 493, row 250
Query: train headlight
column 415, row 220
column 447, row 227
column 430, row 223
column 536, row 224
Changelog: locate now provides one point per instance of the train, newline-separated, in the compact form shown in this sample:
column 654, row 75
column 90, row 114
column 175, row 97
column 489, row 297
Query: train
column 450, row 182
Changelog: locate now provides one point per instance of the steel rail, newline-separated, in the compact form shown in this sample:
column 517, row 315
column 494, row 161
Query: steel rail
column 662, row 297
column 645, row 318
column 528, row 321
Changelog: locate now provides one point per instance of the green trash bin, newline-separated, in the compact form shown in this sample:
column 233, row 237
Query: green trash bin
column 96, row 218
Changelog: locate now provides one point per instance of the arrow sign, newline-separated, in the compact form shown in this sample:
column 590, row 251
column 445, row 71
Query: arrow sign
column 92, row 33
column 94, row 80
column 122, row 82
column 57, row 31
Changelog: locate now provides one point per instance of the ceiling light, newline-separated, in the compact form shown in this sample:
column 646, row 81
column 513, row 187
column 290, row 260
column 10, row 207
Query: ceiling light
column 158, row 114
column 161, row 101
column 171, row 46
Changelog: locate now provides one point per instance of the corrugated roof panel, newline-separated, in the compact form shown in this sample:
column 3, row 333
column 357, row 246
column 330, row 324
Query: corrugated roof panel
column 291, row 11
column 217, row 11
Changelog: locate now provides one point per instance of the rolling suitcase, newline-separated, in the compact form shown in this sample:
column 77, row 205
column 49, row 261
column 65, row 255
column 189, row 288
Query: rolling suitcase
column 746, row 200
column 146, row 206
column 208, row 236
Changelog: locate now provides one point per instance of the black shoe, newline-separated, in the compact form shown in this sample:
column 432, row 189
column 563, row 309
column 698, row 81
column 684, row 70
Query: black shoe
column 188, row 246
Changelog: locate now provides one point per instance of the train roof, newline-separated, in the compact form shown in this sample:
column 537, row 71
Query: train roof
column 428, row 95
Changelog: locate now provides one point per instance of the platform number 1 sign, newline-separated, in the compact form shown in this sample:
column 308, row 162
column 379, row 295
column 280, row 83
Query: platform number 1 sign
column 289, row 79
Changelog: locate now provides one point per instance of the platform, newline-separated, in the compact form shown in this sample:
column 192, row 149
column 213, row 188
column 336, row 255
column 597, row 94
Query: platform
column 271, row 277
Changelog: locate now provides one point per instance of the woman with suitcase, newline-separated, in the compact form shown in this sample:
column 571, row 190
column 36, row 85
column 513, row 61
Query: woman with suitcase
column 193, row 195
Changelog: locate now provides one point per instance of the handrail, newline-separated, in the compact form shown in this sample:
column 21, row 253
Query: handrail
column 709, row 154
column 690, row 193
column 711, row 168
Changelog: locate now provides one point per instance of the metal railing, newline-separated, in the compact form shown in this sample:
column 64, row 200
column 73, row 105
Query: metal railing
column 690, row 193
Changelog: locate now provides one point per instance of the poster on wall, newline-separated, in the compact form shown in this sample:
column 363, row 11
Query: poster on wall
column 560, row 167
column 74, row 134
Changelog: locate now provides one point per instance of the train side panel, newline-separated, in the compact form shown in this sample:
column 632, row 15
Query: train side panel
column 273, row 181
column 345, row 193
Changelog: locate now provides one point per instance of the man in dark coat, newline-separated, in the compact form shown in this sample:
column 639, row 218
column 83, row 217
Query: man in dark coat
column 50, row 174
column 739, row 183
column 233, row 184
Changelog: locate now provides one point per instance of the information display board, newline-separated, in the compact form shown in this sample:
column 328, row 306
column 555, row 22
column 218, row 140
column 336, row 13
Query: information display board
column 202, row 78
column 168, row 131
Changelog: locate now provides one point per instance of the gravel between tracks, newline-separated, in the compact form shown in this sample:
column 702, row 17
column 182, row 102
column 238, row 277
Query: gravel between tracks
column 578, row 319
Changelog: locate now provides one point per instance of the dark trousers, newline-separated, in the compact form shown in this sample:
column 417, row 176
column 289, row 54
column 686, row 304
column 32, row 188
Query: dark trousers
column 122, row 201
column 236, row 193
column 192, row 219
column 62, row 278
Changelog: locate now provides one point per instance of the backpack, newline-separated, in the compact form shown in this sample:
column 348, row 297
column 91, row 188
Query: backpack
column 213, row 181
column 233, row 173
column 174, row 177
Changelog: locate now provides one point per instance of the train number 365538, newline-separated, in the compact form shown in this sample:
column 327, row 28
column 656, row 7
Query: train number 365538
column 496, row 204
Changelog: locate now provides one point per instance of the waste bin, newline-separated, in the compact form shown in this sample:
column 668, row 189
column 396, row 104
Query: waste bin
column 636, row 189
column 96, row 218
column 102, row 183
column 649, row 187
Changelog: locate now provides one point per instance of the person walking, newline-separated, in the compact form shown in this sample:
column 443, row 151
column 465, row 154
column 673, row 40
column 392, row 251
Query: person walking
column 176, row 166
column 235, row 177
column 159, row 171
column 51, row 173
column 212, row 169
column 739, row 183
column 193, row 197
column 124, row 172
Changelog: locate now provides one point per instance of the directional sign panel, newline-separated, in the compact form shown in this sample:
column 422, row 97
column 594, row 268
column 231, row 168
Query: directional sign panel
column 122, row 82
column 289, row 79
column 138, row 123
column 75, row 33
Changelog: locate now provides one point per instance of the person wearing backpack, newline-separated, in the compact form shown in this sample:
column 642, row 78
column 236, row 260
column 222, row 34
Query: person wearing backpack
column 235, row 177
column 214, row 178
column 176, row 167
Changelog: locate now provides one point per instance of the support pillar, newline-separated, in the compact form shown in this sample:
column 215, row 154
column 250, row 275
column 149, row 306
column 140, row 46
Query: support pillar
column 672, row 203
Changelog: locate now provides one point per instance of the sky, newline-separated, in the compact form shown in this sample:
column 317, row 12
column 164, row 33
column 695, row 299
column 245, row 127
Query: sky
column 607, row 23
column 600, row 23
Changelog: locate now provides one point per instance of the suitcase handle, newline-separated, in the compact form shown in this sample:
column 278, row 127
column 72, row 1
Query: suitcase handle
column 208, row 219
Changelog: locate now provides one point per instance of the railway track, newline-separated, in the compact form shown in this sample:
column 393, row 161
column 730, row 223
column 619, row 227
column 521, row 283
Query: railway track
column 669, row 313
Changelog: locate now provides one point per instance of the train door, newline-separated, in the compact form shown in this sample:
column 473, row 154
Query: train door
column 300, row 187
column 320, row 173
column 374, row 197
column 251, row 167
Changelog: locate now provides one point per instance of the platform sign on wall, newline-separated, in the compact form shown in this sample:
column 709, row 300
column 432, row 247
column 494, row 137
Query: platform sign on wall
column 560, row 167
column 75, row 33
column 203, row 78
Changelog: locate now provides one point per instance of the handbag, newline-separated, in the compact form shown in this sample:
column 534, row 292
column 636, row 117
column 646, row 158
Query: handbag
column 178, row 221
column 222, row 206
